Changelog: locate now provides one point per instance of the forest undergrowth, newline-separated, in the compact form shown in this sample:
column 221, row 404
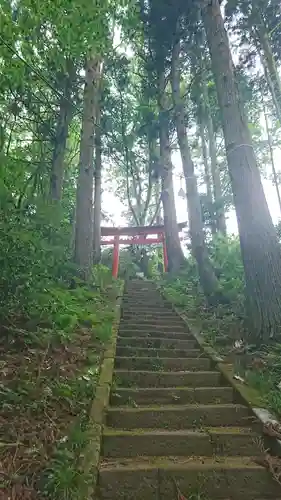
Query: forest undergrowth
column 53, row 329
column 224, row 327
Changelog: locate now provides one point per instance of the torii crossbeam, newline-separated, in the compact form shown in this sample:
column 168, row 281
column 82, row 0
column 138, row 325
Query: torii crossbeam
column 138, row 235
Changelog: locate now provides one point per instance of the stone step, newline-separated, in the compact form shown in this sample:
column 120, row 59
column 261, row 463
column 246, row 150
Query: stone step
column 159, row 353
column 165, row 315
column 155, row 442
column 179, row 417
column 137, row 332
column 147, row 300
column 152, row 326
column 143, row 378
column 148, row 307
column 151, row 320
column 157, row 342
column 159, row 364
column 226, row 478
column 139, row 290
column 171, row 396
column 143, row 294
column 138, row 304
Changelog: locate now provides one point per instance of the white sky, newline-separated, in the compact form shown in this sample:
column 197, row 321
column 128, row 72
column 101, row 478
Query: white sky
column 115, row 207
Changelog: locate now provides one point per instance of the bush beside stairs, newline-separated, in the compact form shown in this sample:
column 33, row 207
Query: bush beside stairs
column 173, row 424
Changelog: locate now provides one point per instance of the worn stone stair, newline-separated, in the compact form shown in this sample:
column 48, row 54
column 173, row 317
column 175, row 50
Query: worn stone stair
column 173, row 420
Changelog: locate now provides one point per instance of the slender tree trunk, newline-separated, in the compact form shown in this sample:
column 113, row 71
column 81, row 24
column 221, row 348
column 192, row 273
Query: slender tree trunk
column 207, row 177
column 220, row 213
column 174, row 250
column 271, row 71
column 260, row 249
column 97, row 188
column 57, row 172
column 83, row 254
column 269, row 141
column 63, row 123
column 219, row 206
column 207, row 276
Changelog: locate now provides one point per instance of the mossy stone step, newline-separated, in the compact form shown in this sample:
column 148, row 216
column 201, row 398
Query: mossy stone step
column 179, row 417
column 158, row 364
column 155, row 342
column 146, row 315
column 143, row 323
column 164, row 315
column 231, row 478
column 150, row 332
column 155, row 442
column 149, row 308
column 147, row 298
column 142, row 378
column 141, row 305
column 184, row 412
column 159, row 353
column 153, row 326
column 171, row 395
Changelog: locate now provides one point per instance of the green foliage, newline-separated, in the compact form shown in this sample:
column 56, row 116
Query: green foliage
column 38, row 284
column 226, row 255
column 223, row 325
column 53, row 329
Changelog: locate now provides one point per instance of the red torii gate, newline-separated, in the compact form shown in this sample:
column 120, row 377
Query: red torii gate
column 138, row 235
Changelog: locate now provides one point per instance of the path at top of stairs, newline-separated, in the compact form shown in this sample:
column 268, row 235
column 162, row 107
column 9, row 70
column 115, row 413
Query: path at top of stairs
column 173, row 420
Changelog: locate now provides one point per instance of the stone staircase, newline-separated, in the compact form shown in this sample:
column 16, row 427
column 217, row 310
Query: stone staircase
column 173, row 421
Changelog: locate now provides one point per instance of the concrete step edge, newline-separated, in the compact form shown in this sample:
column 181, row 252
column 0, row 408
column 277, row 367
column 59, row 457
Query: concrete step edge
column 194, row 353
column 176, row 408
column 149, row 358
column 200, row 372
column 157, row 338
column 182, row 463
column 225, row 431
column 139, row 390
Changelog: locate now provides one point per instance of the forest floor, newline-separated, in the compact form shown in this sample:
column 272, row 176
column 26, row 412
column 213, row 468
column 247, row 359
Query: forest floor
column 223, row 329
column 47, row 383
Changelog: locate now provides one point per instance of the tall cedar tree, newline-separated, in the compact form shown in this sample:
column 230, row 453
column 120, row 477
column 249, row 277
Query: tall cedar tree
column 207, row 275
column 261, row 252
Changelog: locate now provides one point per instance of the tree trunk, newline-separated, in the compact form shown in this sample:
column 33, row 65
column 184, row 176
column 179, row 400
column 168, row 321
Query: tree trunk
column 269, row 141
column 260, row 249
column 271, row 71
column 83, row 254
column 207, row 276
column 174, row 250
column 207, row 176
column 219, row 206
column 97, row 188
column 63, row 123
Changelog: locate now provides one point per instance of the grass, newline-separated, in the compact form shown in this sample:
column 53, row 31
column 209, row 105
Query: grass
column 48, row 379
column 221, row 328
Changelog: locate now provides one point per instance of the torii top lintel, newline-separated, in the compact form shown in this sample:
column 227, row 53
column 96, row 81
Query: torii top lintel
column 137, row 230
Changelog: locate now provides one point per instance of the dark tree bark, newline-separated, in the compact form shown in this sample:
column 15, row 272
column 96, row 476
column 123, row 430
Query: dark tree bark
column 207, row 276
column 63, row 123
column 220, row 213
column 83, row 253
column 260, row 35
column 174, row 250
column 270, row 147
column 219, row 206
column 97, row 186
column 260, row 248
column 207, row 176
